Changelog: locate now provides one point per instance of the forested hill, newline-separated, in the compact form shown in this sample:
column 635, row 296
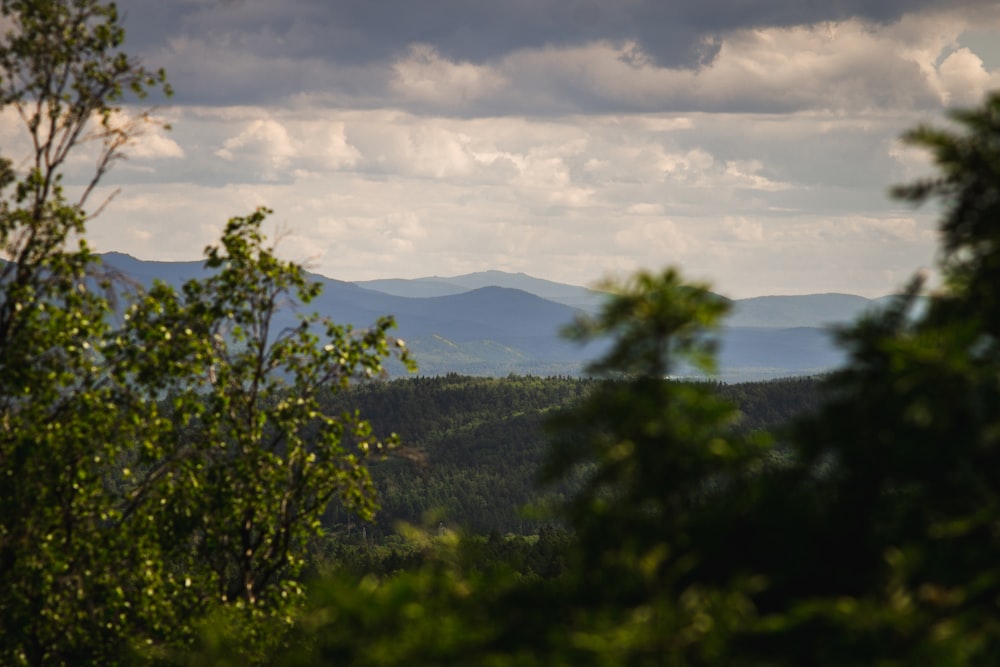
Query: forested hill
column 473, row 445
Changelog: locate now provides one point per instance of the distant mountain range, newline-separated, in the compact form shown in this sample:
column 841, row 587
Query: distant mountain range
column 568, row 295
column 496, row 323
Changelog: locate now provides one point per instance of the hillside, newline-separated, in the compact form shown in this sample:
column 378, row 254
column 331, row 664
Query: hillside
column 473, row 445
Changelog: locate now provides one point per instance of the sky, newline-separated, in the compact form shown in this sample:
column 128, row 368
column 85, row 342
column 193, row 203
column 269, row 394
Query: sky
column 749, row 143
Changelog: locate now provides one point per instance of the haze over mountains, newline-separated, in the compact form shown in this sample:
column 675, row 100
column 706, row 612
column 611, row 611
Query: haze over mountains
column 497, row 323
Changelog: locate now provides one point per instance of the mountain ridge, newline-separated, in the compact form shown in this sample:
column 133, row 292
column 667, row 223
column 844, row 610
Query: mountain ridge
column 498, row 329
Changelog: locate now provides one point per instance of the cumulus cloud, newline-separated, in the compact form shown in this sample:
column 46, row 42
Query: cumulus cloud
column 425, row 77
column 405, row 225
column 520, row 192
column 263, row 145
column 963, row 80
column 335, row 151
column 320, row 143
column 153, row 146
column 750, row 142
column 265, row 141
column 150, row 139
column 645, row 208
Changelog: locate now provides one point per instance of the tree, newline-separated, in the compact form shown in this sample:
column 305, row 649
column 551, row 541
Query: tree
column 163, row 453
column 898, row 547
column 63, row 74
column 644, row 446
column 654, row 458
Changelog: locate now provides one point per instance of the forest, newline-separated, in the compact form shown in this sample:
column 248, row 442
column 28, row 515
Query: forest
column 184, row 483
column 474, row 446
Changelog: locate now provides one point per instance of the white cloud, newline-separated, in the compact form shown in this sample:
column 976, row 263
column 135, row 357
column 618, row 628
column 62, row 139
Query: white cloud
column 963, row 80
column 405, row 224
column 425, row 77
column 334, row 150
column 743, row 229
column 746, row 174
column 373, row 193
column 264, row 142
column 645, row 209
column 662, row 239
column 154, row 146
column 151, row 140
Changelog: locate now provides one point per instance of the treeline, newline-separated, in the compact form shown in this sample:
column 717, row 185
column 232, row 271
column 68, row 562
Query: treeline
column 473, row 447
column 544, row 556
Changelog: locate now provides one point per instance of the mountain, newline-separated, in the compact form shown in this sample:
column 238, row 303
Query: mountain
column 418, row 288
column 467, row 325
column 810, row 310
column 757, row 353
column 568, row 295
column 482, row 331
column 145, row 272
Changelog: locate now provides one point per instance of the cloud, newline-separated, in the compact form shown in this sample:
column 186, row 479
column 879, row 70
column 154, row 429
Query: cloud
column 963, row 80
column 827, row 66
column 556, row 56
column 675, row 33
column 743, row 229
column 321, row 143
column 425, row 77
column 150, row 139
column 606, row 187
column 746, row 174
column 264, row 146
column 154, row 146
column 752, row 143
column 661, row 238
column 265, row 143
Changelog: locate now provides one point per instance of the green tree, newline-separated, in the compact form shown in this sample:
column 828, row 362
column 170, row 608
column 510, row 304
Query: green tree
column 653, row 457
column 896, row 538
column 247, row 459
column 162, row 453
column 62, row 72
